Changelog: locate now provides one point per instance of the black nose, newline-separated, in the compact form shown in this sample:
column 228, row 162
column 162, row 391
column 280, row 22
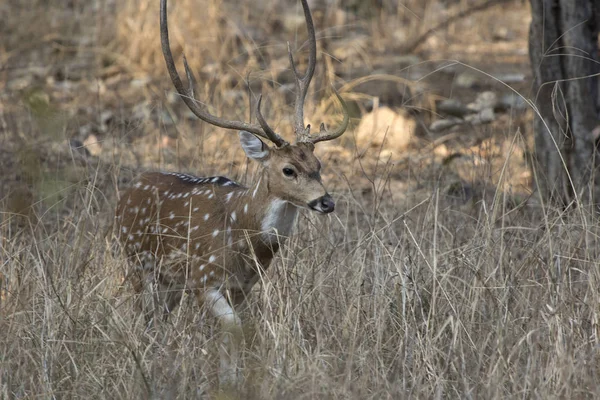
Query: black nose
column 323, row 204
column 327, row 204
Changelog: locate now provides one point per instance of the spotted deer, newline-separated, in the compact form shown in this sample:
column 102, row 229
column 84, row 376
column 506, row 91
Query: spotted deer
column 211, row 236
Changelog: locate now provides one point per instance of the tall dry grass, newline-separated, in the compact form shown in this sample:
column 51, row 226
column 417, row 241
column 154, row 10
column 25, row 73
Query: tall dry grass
column 398, row 301
column 404, row 292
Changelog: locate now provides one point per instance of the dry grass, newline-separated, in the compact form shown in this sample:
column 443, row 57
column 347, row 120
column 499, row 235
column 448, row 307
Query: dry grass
column 419, row 286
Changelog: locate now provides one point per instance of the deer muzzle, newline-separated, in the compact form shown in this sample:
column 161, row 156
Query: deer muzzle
column 323, row 204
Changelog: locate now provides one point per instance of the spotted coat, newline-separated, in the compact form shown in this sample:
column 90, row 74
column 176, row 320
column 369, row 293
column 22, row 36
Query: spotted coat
column 192, row 227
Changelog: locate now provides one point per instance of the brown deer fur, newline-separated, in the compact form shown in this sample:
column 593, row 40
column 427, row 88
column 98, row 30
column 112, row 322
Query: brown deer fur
column 213, row 232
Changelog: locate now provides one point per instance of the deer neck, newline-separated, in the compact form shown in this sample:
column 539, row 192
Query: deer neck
column 266, row 213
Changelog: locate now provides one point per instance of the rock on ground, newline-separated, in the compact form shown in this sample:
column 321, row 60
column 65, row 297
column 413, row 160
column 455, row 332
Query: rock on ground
column 384, row 126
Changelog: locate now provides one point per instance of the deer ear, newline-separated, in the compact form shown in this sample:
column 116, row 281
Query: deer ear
column 254, row 148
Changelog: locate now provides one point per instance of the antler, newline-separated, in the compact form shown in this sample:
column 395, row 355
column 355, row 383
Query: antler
column 302, row 84
column 263, row 130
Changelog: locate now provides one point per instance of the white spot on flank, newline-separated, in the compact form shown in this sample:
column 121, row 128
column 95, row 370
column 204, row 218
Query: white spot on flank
column 195, row 228
column 228, row 197
column 129, row 200
column 144, row 210
column 201, row 268
column 186, row 195
column 197, row 246
column 215, row 180
column 171, row 215
column 256, row 188
column 245, row 208
column 215, row 233
column 210, row 196
column 138, row 185
column 124, row 229
column 229, row 237
column 187, row 203
column 206, row 216
column 211, row 259
column 148, row 200
column 146, row 187
column 196, row 209
column 233, row 216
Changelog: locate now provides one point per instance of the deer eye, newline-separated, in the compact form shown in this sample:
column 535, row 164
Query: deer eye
column 289, row 172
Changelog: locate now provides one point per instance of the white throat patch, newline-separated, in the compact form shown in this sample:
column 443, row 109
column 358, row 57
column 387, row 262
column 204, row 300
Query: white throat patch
column 278, row 220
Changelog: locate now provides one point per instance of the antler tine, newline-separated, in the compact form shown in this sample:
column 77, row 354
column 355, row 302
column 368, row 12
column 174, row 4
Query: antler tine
column 190, row 77
column 188, row 95
column 324, row 135
column 272, row 136
column 302, row 83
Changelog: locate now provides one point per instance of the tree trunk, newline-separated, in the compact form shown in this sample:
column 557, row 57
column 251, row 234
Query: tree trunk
column 563, row 48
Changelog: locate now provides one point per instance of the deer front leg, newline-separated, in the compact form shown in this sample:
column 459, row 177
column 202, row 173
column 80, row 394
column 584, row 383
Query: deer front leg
column 231, row 335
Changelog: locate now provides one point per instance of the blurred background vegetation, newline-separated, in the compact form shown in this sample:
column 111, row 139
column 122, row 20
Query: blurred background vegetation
column 86, row 80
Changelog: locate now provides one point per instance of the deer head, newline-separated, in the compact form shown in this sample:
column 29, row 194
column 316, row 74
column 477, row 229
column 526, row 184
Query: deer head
column 292, row 170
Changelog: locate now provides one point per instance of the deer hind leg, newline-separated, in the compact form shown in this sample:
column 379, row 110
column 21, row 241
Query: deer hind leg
column 168, row 297
column 156, row 298
column 231, row 335
column 140, row 276
column 143, row 285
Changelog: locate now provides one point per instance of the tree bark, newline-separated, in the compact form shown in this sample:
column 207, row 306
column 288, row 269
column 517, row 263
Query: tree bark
column 563, row 48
